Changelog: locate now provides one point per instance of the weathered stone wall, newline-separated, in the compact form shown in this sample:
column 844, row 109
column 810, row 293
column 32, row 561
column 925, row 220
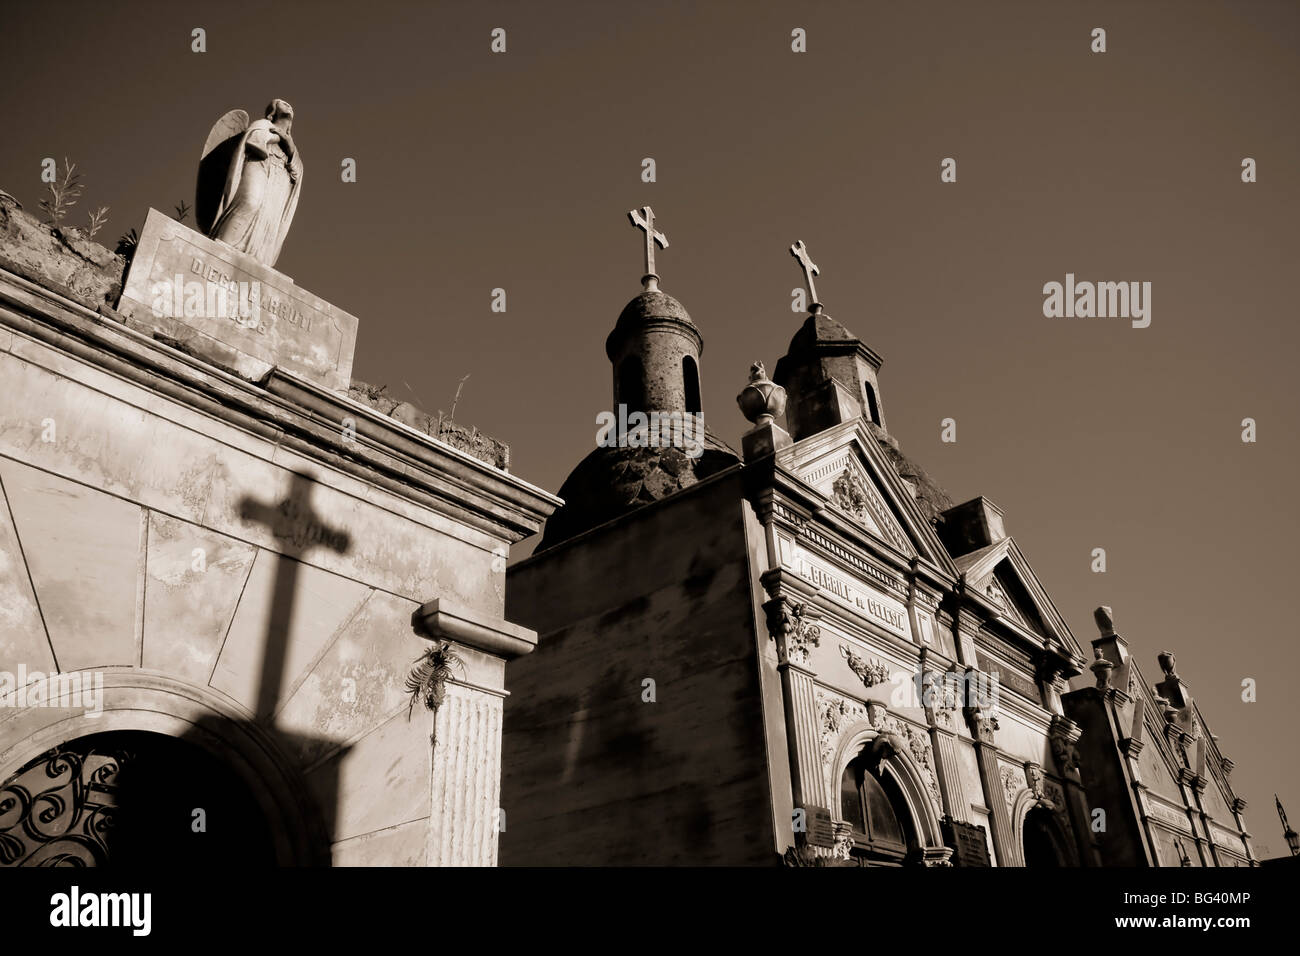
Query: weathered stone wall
column 177, row 532
column 593, row 774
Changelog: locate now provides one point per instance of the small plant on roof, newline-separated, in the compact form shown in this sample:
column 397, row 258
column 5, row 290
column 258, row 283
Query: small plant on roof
column 64, row 193
column 126, row 244
column 456, row 401
column 97, row 220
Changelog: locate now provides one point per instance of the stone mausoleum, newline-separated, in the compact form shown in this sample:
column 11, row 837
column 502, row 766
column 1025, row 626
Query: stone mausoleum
column 804, row 651
column 221, row 562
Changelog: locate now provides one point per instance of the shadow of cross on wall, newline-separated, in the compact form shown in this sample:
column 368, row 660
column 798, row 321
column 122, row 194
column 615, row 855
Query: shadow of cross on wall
column 298, row 529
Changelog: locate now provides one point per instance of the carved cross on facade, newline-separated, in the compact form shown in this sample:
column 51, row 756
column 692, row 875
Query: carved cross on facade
column 296, row 527
column 644, row 219
column 800, row 252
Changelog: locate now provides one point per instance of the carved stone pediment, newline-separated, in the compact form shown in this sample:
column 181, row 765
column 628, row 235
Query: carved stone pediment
column 842, row 477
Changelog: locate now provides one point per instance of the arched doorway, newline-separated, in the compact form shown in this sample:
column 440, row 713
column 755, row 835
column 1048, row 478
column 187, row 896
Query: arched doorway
column 130, row 798
column 1043, row 843
column 873, row 804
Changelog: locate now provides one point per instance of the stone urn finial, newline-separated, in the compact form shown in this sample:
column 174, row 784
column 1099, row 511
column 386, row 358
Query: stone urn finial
column 1166, row 661
column 1101, row 669
column 762, row 399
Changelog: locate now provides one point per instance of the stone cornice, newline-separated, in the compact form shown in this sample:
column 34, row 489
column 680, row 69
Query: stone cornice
column 286, row 410
column 1131, row 746
column 446, row 620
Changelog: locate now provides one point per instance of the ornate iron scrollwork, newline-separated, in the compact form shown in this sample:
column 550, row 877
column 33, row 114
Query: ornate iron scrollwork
column 58, row 810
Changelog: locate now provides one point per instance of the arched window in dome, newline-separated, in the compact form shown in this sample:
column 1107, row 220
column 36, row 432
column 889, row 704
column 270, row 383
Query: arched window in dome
column 691, row 382
column 873, row 409
column 631, row 384
column 872, row 803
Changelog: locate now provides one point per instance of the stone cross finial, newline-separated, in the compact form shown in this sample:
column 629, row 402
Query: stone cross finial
column 644, row 219
column 800, row 252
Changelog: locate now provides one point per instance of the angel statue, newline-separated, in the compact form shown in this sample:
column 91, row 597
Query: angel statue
column 249, row 178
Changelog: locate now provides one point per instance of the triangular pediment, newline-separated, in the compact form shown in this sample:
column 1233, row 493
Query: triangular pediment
column 845, row 466
column 1001, row 574
column 846, row 482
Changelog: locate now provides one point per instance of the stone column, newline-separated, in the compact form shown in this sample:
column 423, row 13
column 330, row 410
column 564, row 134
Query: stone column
column 466, row 785
column 982, row 727
column 792, row 624
column 940, row 699
column 1063, row 735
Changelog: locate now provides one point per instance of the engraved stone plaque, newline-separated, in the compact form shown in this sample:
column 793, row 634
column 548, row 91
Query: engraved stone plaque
column 969, row 845
column 821, row 831
column 227, row 307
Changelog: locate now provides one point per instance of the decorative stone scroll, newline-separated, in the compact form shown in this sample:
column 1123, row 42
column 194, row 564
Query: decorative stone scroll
column 792, row 627
column 1034, row 780
column 940, row 698
column 870, row 672
column 1063, row 736
column 1012, row 783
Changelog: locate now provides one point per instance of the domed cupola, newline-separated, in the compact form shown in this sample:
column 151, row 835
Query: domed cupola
column 653, row 442
column 655, row 347
column 655, row 353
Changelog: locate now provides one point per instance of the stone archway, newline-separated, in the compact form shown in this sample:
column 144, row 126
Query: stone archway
column 130, row 798
column 1042, row 843
column 912, row 779
column 1037, row 826
column 85, row 773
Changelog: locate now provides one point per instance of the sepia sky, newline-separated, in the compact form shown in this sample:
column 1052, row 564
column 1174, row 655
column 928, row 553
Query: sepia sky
column 516, row 170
